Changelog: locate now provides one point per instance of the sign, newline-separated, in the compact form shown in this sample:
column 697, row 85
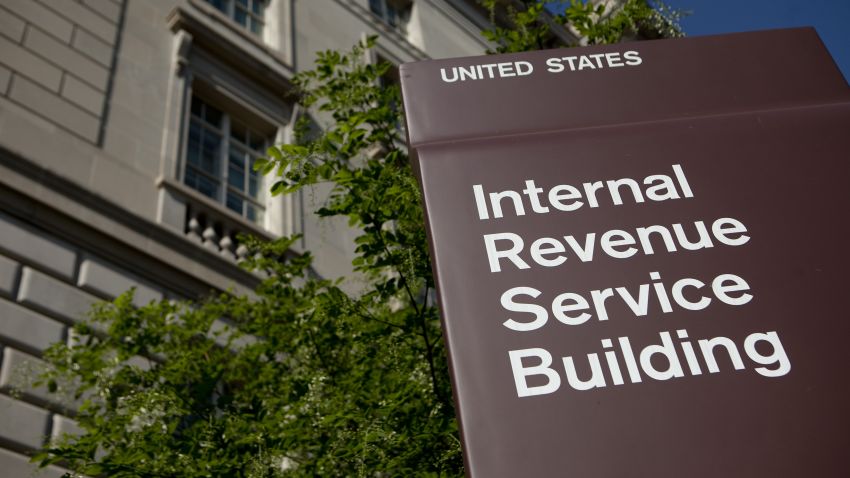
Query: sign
column 642, row 255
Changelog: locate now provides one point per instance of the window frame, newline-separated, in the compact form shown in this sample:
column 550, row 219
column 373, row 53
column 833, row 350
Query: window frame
column 225, row 145
column 217, row 59
column 402, row 10
column 230, row 8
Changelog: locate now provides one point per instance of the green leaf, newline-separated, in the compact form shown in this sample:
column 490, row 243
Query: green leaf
column 260, row 164
column 274, row 152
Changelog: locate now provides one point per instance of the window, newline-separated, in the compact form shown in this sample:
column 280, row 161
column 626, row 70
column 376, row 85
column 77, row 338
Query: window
column 248, row 13
column 395, row 13
column 220, row 153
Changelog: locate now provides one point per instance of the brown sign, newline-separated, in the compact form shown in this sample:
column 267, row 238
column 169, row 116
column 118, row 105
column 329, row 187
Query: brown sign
column 641, row 255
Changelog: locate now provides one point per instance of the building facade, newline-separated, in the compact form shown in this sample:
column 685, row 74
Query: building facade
column 128, row 129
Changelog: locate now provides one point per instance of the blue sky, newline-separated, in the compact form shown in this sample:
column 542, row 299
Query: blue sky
column 831, row 19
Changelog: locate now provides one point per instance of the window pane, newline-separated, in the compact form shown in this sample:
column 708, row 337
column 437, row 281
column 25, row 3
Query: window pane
column 191, row 178
column 241, row 16
column 239, row 132
column 236, row 178
column 237, row 157
column 236, row 169
column 234, row 203
column 208, row 187
column 377, row 7
column 243, row 3
column 212, row 115
column 392, row 16
column 201, row 183
column 257, row 6
column 219, row 4
column 193, row 148
column 256, row 27
column 258, row 143
column 197, row 107
column 211, row 151
column 254, row 214
column 254, row 182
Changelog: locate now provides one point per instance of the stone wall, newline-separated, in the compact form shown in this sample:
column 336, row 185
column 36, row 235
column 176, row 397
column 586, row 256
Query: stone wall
column 56, row 59
column 46, row 285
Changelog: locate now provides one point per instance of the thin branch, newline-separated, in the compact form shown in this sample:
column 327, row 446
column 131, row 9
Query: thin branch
column 368, row 316
column 398, row 271
column 318, row 351
column 420, row 315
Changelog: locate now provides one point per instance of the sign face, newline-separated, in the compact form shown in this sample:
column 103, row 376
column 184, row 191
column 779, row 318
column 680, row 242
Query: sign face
column 642, row 255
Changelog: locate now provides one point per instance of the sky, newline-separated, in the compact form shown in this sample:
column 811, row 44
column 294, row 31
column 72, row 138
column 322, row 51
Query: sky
column 831, row 19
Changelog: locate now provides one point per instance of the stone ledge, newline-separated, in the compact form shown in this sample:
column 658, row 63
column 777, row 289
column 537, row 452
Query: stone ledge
column 22, row 423
column 31, row 330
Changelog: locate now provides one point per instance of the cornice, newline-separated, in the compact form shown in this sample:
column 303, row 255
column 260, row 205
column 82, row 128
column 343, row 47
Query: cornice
column 214, row 32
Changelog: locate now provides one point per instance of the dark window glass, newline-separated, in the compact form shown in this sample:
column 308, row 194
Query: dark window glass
column 212, row 115
column 219, row 4
column 236, row 170
column 241, row 17
column 202, row 184
column 257, row 142
column 210, row 152
column 253, row 182
column 239, row 132
column 254, row 213
column 235, row 203
column 193, row 148
column 197, row 107
column 256, row 27
column 392, row 16
column 395, row 13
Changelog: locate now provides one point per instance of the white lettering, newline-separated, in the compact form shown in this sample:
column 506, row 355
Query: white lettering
column 520, row 372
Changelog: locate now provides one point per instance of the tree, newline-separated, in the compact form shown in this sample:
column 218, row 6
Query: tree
column 306, row 380
column 532, row 25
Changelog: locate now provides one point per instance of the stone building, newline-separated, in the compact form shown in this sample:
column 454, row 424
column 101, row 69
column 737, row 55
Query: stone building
column 127, row 133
